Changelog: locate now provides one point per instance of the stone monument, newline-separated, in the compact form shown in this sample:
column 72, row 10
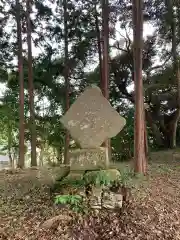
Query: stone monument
column 91, row 120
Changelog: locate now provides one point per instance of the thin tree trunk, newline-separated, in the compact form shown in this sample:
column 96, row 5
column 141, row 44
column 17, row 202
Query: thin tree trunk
column 31, row 86
column 139, row 136
column 66, row 76
column 105, row 31
column 173, row 130
column 105, row 62
column 99, row 48
column 176, row 66
column 21, row 86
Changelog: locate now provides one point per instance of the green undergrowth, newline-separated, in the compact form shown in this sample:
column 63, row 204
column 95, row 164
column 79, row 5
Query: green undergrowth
column 74, row 202
column 96, row 178
column 126, row 178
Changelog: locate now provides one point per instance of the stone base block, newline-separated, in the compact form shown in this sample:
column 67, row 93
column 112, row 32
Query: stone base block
column 89, row 159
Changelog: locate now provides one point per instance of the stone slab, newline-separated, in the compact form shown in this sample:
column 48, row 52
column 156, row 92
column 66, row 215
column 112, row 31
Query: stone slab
column 88, row 159
column 91, row 119
column 112, row 200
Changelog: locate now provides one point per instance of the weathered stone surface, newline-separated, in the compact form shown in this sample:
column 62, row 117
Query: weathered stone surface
column 91, row 119
column 53, row 174
column 112, row 200
column 103, row 198
column 88, row 159
column 61, row 172
column 95, row 200
column 108, row 176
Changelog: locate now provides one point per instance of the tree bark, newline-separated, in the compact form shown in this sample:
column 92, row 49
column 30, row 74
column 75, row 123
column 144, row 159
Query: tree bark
column 99, row 48
column 105, row 31
column 31, row 86
column 139, row 136
column 21, row 86
column 176, row 66
column 171, row 135
column 66, row 77
column 105, row 62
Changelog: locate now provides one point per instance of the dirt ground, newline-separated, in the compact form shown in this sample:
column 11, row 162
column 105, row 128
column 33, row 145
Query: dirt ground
column 153, row 212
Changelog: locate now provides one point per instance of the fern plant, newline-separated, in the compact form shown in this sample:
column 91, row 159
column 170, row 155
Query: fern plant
column 98, row 178
column 75, row 202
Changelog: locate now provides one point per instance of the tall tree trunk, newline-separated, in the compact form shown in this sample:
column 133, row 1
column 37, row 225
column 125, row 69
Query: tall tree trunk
column 105, row 62
column 139, row 136
column 99, row 48
column 31, row 86
column 171, row 136
column 21, row 86
column 176, row 66
column 105, row 33
column 66, row 76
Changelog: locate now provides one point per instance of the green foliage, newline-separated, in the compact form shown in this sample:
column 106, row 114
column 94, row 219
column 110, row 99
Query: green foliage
column 98, row 178
column 127, row 177
column 75, row 202
column 9, row 126
column 64, row 182
column 123, row 143
column 76, row 183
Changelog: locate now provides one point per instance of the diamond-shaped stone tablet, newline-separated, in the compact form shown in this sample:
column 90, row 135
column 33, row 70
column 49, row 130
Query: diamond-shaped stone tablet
column 91, row 119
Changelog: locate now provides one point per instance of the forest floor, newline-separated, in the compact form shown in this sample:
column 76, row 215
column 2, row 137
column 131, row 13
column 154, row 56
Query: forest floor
column 153, row 212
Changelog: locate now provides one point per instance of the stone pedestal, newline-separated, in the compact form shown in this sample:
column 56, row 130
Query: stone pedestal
column 89, row 159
